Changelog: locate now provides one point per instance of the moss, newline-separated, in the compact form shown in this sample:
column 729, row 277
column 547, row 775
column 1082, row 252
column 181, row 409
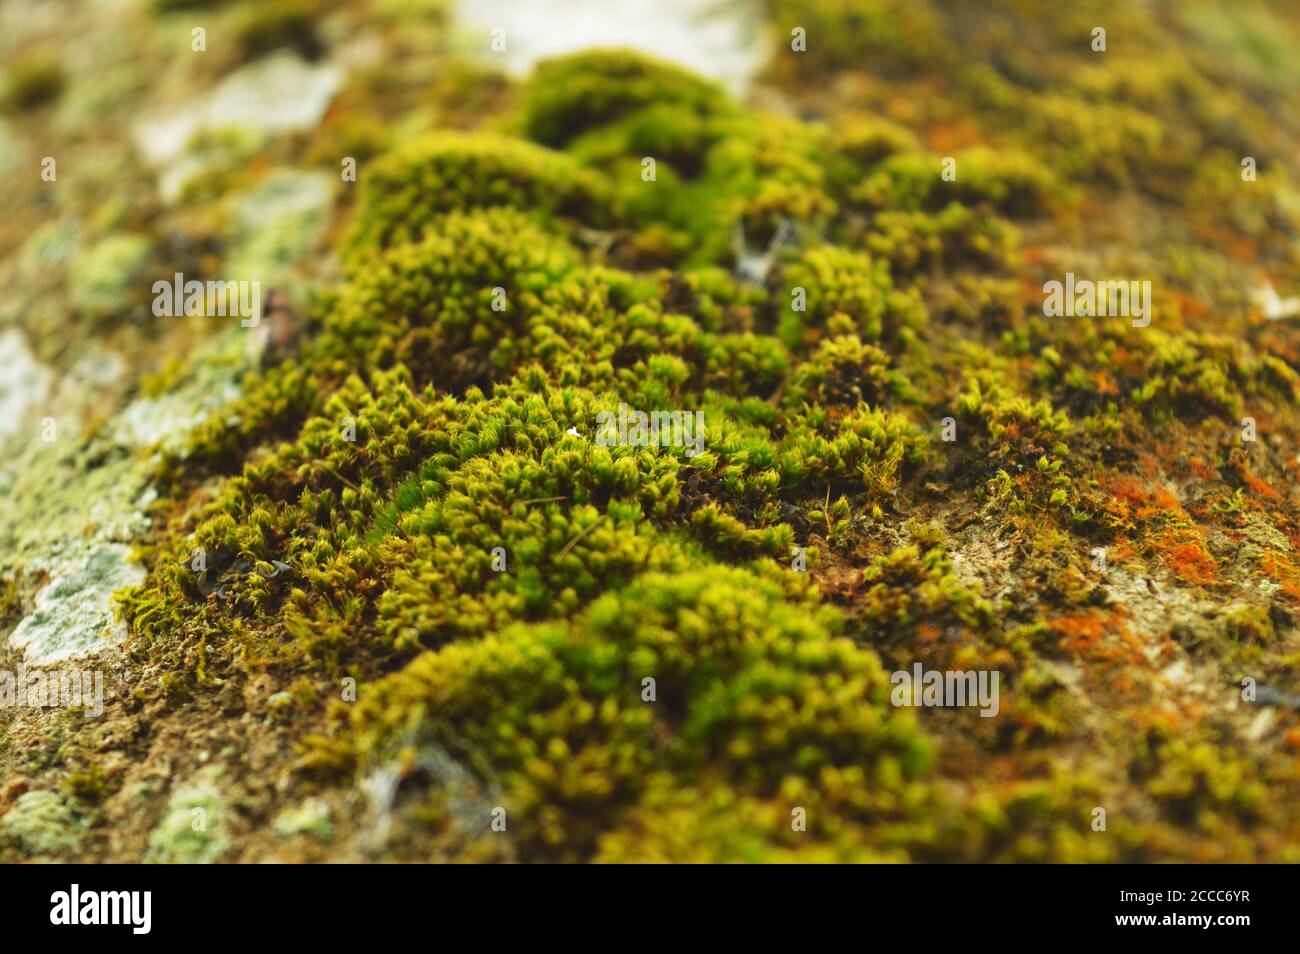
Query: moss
column 10, row 599
column 572, row 95
column 261, row 28
column 438, row 298
column 914, row 586
column 91, row 785
column 843, row 372
column 1014, row 425
column 456, row 172
column 742, row 679
column 174, row 6
column 312, row 817
column 851, row 289
column 104, row 278
column 859, row 143
column 32, row 82
column 955, row 237
column 1248, row 624
column 1009, row 182
column 896, row 34
column 1199, row 781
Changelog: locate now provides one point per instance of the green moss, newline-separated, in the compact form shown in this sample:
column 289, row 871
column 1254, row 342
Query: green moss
column 859, row 143
column 572, row 95
column 1009, row 182
column 1200, row 783
column 455, row 172
column 312, row 817
column 844, row 290
column 31, row 83
column 104, row 278
column 955, row 237
column 844, row 371
column 742, row 680
column 261, row 28
column 915, row 584
column 1248, row 624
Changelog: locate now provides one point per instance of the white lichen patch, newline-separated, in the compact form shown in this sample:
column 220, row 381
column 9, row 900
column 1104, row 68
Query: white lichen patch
column 280, row 94
column 73, row 615
column 277, row 222
column 23, row 386
column 166, row 420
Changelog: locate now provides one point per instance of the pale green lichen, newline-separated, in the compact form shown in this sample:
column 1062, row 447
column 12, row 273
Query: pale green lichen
column 41, row 823
column 194, row 828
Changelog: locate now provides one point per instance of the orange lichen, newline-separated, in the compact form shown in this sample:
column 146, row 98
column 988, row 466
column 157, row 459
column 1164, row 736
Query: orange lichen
column 1191, row 562
column 1098, row 636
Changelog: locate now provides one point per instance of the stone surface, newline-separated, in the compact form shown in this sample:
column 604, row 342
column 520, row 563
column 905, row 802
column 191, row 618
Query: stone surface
column 73, row 615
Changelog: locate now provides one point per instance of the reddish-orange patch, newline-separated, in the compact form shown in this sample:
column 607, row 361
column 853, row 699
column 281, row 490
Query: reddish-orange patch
column 1191, row 562
column 1261, row 487
column 1149, row 500
column 946, row 137
column 1105, row 383
column 1282, row 570
column 1122, row 552
column 1191, row 306
column 1242, row 249
column 1193, row 710
column 1165, row 500
column 1128, row 488
column 1098, row 636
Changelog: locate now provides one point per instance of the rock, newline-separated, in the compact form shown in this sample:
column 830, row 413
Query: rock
column 73, row 615
column 23, row 386
column 276, row 223
column 280, row 94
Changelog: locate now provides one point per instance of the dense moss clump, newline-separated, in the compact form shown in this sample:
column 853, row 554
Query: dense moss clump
column 649, row 102
column 445, row 172
column 30, row 83
column 742, row 681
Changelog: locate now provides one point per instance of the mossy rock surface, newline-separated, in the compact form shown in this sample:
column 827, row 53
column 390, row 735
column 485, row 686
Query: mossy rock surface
column 417, row 582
